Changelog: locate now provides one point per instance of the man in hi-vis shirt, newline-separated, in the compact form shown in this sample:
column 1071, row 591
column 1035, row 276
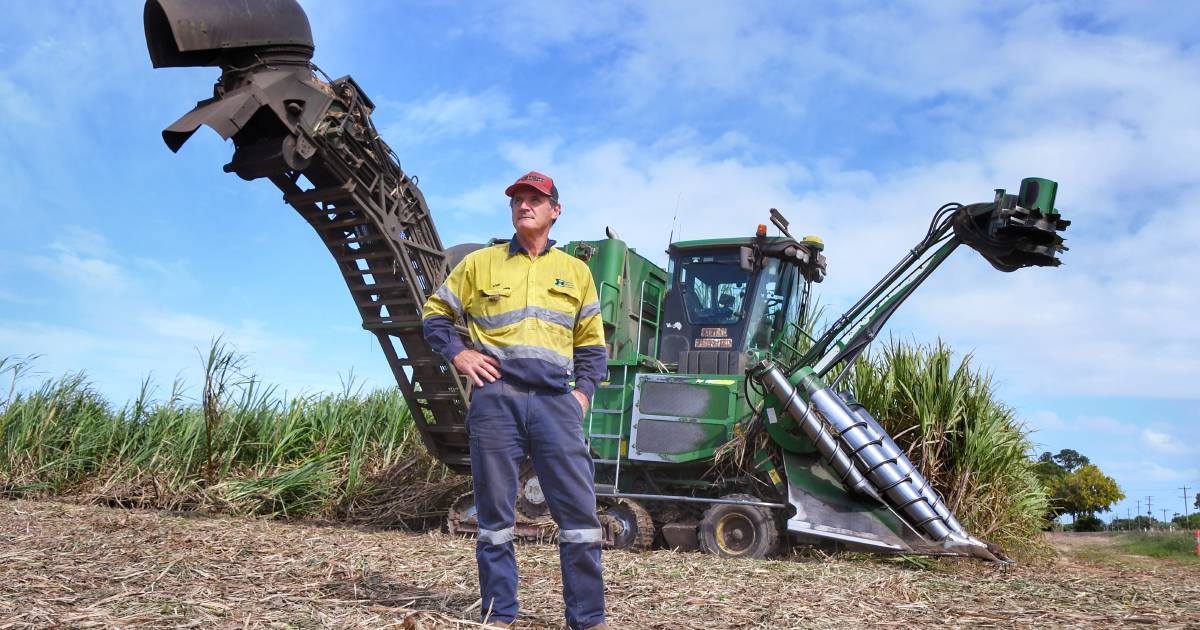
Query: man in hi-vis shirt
column 535, row 325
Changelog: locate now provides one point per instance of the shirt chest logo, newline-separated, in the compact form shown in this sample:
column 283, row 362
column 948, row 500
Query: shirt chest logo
column 565, row 284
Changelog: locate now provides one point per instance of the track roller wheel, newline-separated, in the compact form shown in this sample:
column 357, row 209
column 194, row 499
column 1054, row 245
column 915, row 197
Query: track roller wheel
column 730, row 530
column 461, row 518
column 632, row 526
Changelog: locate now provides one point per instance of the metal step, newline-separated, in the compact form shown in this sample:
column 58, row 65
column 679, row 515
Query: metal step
column 363, row 255
column 340, row 192
column 440, row 383
column 436, row 361
column 379, row 286
column 390, row 326
column 456, row 459
column 362, row 219
column 437, row 428
column 400, row 319
column 361, row 239
column 443, row 395
column 384, row 301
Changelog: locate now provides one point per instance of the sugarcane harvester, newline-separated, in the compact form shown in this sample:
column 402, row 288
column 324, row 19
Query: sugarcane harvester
column 720, row 425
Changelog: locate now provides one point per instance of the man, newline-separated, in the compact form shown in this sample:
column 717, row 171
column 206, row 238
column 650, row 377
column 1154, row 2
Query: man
column 535, row 323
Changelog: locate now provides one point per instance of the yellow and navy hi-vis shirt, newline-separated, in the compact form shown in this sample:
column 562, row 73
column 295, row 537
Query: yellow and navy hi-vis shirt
column 539, row 317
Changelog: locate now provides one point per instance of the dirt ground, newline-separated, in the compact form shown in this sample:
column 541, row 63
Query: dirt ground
column 77, row 566
column 1070, row 541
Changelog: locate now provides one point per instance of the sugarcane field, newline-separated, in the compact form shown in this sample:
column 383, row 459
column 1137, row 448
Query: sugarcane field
column 553, row 314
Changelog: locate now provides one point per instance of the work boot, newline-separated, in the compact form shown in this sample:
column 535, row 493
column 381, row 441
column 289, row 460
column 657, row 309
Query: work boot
column 599, row 626
column 499, row 624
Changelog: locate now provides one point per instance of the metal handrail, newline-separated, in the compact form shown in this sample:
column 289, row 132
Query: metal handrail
column 637, row 352
column 591, row 417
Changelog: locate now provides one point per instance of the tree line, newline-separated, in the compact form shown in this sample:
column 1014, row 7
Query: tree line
column 1077, row 487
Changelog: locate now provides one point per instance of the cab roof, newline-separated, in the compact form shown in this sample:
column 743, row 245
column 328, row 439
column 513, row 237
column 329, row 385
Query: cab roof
column 725, row 242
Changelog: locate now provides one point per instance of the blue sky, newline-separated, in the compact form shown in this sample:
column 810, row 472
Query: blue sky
column 856, row 120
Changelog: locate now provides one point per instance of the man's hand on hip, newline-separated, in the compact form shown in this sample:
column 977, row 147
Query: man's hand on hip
column 583, row 400
column 477, row 365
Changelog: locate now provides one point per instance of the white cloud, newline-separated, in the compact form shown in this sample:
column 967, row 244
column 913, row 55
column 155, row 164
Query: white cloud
column 18, row 106
column 82, row 259
column 576, row 26
column 8, row 296
column 83, row 241
column 1150, row 471
column 1045, row 420
column 723, row 49
column 453, row 114
column 1164, row 442
column 87, row 61
column 1103, row 111
column 1007, row 58
column 1103, row 424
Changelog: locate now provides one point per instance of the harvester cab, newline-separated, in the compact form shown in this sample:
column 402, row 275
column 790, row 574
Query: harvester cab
column 728, row 298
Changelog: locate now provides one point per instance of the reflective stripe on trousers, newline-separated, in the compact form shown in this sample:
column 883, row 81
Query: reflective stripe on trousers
column 506, row 423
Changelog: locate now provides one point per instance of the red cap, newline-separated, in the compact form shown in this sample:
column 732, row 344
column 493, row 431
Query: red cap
column 537, row 181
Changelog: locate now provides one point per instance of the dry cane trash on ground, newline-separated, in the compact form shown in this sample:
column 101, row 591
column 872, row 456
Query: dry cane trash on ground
column 82, row 566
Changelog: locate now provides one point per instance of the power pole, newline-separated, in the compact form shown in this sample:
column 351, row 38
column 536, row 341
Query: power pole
column 1139, row 511
column 1128, row 521
column 1164, row 518
column 1186, row 515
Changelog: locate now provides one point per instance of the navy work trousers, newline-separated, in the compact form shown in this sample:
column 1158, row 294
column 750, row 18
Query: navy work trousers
column 508, row 422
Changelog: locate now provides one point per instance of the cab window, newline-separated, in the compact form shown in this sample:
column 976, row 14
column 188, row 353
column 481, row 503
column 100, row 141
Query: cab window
column 713, row 288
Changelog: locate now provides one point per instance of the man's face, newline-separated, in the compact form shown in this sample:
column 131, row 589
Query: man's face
column 532, row 211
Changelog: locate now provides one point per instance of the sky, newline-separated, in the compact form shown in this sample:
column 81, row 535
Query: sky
column 855, row 119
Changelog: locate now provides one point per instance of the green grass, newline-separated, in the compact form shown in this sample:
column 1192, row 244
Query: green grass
column 242, row 448
column 1175, row 545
